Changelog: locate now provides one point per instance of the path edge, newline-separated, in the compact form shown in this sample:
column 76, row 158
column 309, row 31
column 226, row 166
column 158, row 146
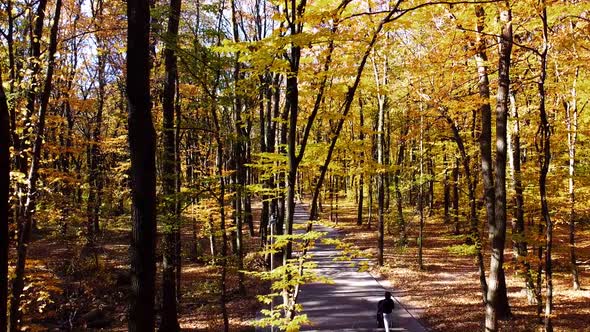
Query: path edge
column 386, row 285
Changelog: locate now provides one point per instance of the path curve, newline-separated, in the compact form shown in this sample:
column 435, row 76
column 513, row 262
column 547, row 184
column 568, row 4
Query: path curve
column 350, row 304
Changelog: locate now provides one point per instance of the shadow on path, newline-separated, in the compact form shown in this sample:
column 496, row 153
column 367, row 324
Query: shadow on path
column 350, row 303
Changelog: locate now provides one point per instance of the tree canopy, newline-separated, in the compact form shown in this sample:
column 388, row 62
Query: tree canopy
column 159, row 148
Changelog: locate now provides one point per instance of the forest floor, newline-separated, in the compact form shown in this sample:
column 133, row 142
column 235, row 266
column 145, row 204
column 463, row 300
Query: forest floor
column 448, row 290
column 69, row 289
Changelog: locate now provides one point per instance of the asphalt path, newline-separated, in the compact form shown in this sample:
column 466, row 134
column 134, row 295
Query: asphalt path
column 350, row 303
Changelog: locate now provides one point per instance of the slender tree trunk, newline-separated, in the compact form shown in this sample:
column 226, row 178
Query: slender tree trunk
column 381, row 176
column 474, row 235
column 518, row 231
column 170, row 258
column 497, row 302
column 4, row 206
column 292, row 107
column 337, row 180
column 212, row 241
column 396, row 182
column 331, row 191
column 239, row 151
column 544, row 149
column 361, row 193
column 421, row 193
column 370, row 213
column 94, row 160
column 224, row 238
column 142, row 145
column 382, row 104
column 361, row 197
column 571, row 121
column 485, row 139
column 455, row 176
column 431, row 168
column 32, row 178
column 446, row 188
column 178, row 184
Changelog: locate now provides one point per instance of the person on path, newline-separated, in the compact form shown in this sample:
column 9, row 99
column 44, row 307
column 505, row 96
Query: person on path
column 384, row 310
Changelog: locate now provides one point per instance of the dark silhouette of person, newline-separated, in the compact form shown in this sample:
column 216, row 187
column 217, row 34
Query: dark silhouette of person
column 384, row 309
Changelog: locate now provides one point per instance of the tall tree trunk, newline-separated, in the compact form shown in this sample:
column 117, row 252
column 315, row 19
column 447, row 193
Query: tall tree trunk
column 456, row 198
column 474, row 235
column 331, row 191
column 382, row 106
column 571, row 121
column 264, row 108
column 497, row 301
column 94, row 157
column 178, row 184
column 518, row 230
column 4, row 206
column 396, row 182
column 221, row 202
column 361, row 198
column 239, row 151
column 370, row 202
column 485, row 139
column 142, row 146
column 295, row 14
column 432, row 176
column 544, row 149
column 446, row 188
column 32, row 177
column 421, row 193
column 171, row 217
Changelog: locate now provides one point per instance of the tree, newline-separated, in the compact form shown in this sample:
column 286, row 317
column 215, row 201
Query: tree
column 95, row 182
column 497, row 301
column 571, row 119
column 4, row 206
column 142, row 146
column 544, row 149
column 171, row 215
column 25, row 229
column 518, row 226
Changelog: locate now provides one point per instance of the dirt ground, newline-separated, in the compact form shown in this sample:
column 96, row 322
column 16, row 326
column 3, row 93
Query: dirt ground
column 67, row 288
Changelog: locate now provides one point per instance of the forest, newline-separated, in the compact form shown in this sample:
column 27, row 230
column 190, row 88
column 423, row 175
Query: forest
column 153, row 154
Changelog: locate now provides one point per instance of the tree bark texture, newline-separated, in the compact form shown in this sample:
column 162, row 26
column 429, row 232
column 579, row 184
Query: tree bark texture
column 497, row 303
column 142, row 146
column 170, row 258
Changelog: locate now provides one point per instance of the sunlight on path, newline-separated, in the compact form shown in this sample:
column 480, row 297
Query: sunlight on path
column 350, row 304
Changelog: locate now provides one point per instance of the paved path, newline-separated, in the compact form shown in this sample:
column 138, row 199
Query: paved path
column 350, row 304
